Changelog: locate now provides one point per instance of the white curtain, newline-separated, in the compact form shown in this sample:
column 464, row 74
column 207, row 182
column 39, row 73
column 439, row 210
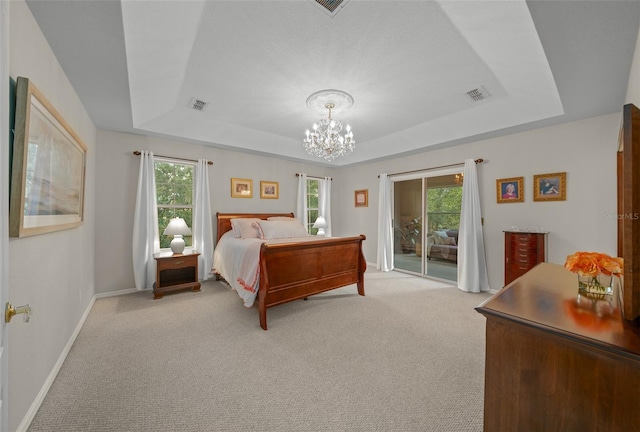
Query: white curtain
column 472, row 263
column 202, row 223
column 385, row 226
column 301, row 205
column 146, row 240
column 324, row 203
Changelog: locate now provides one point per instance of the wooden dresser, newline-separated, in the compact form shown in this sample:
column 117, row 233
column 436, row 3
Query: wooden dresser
column 557, row 361
column 522, row 252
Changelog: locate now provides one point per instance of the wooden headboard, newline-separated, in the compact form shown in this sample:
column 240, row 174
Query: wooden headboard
column 224, row 220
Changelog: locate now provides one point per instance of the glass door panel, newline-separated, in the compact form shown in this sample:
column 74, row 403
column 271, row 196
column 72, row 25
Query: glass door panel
column 443, row 203
column 407, row 225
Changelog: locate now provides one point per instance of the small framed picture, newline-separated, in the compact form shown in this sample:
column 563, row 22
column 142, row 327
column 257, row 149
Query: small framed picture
column 510, row 190
column 241, row 188
column 362, row 198
column 550, row 187
column 269, row 190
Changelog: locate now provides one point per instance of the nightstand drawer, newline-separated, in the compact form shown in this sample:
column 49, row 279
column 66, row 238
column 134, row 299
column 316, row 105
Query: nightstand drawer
column 177, row 262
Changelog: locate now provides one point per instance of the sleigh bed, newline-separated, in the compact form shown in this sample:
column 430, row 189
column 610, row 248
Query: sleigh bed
column 292, row 269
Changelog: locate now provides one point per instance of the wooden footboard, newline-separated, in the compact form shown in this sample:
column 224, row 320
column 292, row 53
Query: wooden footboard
column 292, row 271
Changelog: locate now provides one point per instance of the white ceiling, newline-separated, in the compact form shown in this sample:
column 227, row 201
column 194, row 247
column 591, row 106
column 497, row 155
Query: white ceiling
column 136, row 65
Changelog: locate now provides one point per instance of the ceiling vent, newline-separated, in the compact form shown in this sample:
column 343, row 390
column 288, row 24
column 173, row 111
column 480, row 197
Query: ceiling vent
column 198, row 104
column 478, row 94
column 330, row 7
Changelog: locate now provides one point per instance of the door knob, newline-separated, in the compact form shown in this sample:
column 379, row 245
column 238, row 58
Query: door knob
column 10, row 311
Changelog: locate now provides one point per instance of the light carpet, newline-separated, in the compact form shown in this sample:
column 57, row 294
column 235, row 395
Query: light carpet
column 407, row 357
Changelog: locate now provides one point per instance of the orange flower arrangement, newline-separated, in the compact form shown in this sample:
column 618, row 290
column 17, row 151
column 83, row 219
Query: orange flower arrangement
column 593, row 264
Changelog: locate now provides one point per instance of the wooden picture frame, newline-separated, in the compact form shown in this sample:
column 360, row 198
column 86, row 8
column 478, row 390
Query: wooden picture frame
column 361, row 198
column 241, row 188
column 550, row 187
column 48, row 167
column 510, row 190
column 269, row 190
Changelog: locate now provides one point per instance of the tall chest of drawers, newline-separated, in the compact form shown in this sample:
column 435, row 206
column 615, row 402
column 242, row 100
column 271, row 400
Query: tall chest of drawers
column 522, row 251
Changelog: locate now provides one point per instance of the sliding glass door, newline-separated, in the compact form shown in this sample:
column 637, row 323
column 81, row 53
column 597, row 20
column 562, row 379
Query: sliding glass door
column 426, row 223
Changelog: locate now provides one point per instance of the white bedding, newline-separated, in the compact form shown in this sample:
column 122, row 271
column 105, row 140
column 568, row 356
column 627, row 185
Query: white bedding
column 236, row 260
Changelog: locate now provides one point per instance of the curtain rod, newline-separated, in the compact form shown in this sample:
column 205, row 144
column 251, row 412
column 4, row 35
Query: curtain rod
column 314, row 177
column 137, row 153
column 477, row 161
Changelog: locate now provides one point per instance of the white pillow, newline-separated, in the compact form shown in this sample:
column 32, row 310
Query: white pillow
column 243, row 228
column 275, row 229
column 442, row 234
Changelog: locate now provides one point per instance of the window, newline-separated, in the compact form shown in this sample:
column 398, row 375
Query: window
column 174, row 191
column 312, row 204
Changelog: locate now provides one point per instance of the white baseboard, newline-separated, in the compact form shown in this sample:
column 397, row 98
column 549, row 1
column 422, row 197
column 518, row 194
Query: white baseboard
column 33, row 409
column 115, row 293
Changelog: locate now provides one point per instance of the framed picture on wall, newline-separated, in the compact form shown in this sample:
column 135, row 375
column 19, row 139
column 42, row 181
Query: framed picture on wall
column 48, row 167
column 269, row 190
column 362, row 198
column 241, row 188
column 550, row 187
column 510, row 190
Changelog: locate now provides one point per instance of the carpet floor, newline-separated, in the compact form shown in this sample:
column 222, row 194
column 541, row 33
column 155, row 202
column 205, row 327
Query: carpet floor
column 407, row 357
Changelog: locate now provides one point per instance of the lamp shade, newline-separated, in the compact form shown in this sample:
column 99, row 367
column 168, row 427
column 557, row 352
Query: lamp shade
column 177, row 228
column 321, row 224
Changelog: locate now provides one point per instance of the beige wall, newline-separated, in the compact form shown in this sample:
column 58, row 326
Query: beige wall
column 585, row 150
column 633, row 90
column 52, row 272
column 117, row 177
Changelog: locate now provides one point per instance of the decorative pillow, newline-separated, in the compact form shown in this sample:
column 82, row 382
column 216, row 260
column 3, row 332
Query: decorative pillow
column 441, row 234
column 243, row 228
column 449, row 241
column 281, row 229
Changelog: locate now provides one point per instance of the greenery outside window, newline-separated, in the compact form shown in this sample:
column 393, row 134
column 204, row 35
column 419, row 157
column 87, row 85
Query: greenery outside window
column 174, row 191
column 312, row 204
column 444, row 205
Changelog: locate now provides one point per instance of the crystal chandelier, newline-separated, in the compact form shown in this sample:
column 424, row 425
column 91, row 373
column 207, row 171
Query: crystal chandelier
column 326, row 140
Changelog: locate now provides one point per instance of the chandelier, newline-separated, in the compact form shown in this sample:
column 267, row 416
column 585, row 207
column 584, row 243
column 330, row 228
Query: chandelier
column 326, row 141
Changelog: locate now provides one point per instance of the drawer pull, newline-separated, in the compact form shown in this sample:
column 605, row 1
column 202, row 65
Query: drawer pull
column 178, row 262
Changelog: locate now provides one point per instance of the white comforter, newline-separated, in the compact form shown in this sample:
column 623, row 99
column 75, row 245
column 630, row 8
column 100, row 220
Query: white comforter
column 237, row 259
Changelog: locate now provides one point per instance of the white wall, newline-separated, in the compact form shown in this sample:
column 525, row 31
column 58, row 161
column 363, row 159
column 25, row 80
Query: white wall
column 585, row 150
column 52, row 272
column 633, row 90
column 117, row 177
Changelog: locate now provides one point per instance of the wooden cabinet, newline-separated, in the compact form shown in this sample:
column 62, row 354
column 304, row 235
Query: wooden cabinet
column 175, row 272
column 557, row 360
column 522, row 252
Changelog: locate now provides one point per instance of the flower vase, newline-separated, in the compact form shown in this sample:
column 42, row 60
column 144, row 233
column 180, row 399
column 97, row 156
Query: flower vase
column 599, row 284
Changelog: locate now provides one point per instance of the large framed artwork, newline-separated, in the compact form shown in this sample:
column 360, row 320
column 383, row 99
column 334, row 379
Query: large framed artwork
column 510, row 190
column 550, row 187
column 48, row 167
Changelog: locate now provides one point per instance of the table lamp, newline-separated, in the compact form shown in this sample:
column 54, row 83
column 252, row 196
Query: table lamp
column 321, row 224
column 177, row 228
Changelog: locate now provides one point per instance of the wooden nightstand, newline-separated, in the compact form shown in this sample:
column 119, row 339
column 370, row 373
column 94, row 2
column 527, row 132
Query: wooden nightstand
column 175, row 272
